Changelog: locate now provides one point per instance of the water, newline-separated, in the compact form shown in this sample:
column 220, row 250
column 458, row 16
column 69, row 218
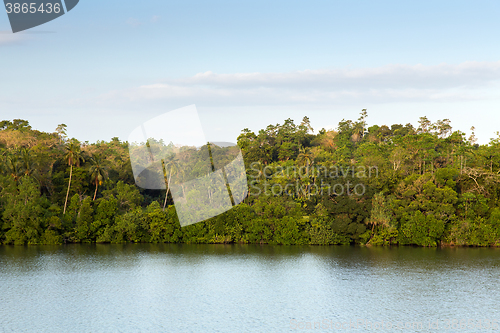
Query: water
column 247, row 288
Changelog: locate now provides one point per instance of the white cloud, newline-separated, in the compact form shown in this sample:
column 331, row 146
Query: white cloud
column 390, row 76
column 467, row 93
column 388, row 84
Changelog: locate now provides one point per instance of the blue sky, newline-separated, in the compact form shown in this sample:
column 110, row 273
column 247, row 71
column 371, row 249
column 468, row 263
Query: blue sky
column 107, row 66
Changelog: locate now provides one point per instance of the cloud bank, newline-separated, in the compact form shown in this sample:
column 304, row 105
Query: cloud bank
column 387, row 84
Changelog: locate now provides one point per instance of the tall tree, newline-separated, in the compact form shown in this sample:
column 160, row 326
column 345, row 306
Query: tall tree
column 171, row 163
column 98, row 172
column 73, row 157
column 61, row 132
column 359, row 126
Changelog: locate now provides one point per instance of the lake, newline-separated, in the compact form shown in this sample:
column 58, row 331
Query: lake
column 248, row 288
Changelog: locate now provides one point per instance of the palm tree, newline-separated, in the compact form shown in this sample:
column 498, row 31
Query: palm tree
column 306, row 158
column 27, row 162
column 98, row 172
column 12, row 166
column 172, row 165
column 73, row 157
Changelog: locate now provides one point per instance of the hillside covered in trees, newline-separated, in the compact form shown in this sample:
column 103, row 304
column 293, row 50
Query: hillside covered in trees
column 425, row 185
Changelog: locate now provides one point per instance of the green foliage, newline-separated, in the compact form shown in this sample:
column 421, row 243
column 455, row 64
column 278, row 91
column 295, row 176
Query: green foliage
column 419, row 229
column 22, row 217
column 51, row 237
column 321, row 233
column 381, row 220
column 163, row 225
column 104, row 217
column 69, row 219
column 426, row 185
column 289, row 230
column 384, row 237
column 130, row 227
column 84, row 222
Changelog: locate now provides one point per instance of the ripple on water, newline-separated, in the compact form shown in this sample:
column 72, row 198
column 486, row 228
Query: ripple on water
column 226, row 288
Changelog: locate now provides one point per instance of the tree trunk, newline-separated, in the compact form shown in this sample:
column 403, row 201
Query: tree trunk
column 95, row 192
column 69, row 184
column 165, row 202
column 166, row 193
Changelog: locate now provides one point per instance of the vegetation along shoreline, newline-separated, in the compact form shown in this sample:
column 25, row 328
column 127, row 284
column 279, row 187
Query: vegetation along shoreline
column 395, row 184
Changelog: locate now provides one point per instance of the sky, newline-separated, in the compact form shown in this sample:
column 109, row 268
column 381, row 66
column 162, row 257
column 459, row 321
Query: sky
column 106, row 67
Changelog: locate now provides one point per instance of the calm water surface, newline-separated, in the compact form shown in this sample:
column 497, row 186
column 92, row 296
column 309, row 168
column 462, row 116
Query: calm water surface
column 246, row 288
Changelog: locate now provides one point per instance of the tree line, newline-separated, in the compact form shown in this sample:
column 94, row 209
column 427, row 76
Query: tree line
column 425, row 185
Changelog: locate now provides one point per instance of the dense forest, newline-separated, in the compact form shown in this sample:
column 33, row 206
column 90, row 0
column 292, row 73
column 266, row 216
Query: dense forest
column 380, row 185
